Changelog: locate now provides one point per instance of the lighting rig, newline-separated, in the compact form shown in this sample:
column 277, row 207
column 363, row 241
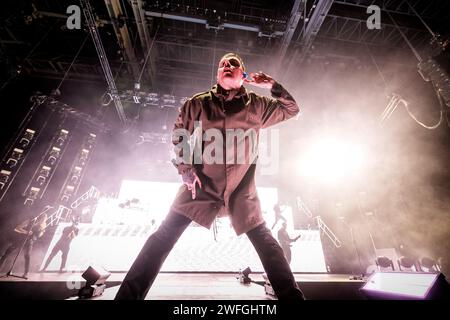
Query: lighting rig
column 78, row 168
column 49, row 163
column 19, row 149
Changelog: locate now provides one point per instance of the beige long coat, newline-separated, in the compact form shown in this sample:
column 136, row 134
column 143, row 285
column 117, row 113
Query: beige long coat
column 228, row 188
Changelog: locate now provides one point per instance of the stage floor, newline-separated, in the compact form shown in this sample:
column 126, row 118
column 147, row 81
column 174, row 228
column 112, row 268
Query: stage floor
column 193, row 286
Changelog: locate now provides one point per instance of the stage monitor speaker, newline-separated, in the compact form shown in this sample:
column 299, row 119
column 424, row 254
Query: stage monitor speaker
column 95, row 275
column 91, row 291
column 406, row 286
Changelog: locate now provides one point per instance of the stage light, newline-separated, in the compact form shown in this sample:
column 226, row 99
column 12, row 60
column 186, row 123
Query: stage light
column 246, row 271
column 32, row 195
column 406, row 286
column 4, row 177
column 95, row 282
column 383, row 262
column 16, row 155
column 428, row 264
column 244, row 276
column 407, row 263
column 95, row 275
column 54, row 155
column 62, row 138
column 43, row 175
column 27, row 137
column 329, row 159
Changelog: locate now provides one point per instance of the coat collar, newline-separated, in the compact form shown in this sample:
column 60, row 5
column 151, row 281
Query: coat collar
column 220, row 92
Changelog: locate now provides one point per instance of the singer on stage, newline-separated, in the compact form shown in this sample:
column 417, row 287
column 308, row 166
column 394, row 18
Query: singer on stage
column 222, row 187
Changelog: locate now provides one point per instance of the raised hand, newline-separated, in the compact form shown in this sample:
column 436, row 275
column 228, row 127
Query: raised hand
column 261, row 80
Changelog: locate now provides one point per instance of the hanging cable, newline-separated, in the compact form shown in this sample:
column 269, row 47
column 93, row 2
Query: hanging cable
column 405, row 38
column 378, row 68
column 105, row 102
column 420, row 18
column 396, row 100
column 148, row 55
column 214, row 59
column 30, row 53
column 436, row 38
column 418, row 121
column 73, row 61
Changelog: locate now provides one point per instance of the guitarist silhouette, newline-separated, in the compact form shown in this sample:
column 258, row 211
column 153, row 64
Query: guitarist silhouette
column 63, row 244
column 26, row 234
column 285, row 241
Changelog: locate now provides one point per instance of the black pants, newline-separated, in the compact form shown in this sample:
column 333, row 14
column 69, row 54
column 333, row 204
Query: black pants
column 16, row 245
column 64, row 248
column 287, row 252
column 145, row 268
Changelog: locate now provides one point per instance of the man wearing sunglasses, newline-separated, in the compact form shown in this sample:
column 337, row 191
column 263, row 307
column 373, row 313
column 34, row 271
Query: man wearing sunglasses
column 221, row 188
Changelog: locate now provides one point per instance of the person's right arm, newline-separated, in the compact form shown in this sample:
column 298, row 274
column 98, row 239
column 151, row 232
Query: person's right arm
column 182, row 130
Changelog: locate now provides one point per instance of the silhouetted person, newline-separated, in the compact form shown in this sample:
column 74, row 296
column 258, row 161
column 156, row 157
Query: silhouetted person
column 285, row 241
column 25, row 234
column 63, row 245
column 278, row 215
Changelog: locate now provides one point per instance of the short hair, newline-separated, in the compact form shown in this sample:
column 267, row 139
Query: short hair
column 232, row 54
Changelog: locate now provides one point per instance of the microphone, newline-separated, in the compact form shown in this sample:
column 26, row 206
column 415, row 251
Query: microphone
column 247, row 76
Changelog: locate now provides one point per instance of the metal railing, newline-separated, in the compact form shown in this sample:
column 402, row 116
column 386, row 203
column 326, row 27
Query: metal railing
column 327, row 231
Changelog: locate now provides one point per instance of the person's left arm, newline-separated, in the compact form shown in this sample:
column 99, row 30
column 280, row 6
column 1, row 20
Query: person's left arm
column 295, row 239
column 42, row 226
column 22, row 228
column 282, row 106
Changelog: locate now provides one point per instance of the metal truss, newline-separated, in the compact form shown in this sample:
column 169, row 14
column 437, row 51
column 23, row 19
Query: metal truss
column 121, row 30
column 8, row 37
column 426, row 8
column 297, row 11
column 317, row 12
column 82, row 70
column 90, row 121
column 314, row 24
column 215, row 19
column 193, row 54
column 89, row 15
column 78, row 169
column 141, row 24
column 191, row 38
column 184, row 64
column 355, row 30
column 193, row 35
column 19, row 148
column 43, row 174
column 340, row 24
